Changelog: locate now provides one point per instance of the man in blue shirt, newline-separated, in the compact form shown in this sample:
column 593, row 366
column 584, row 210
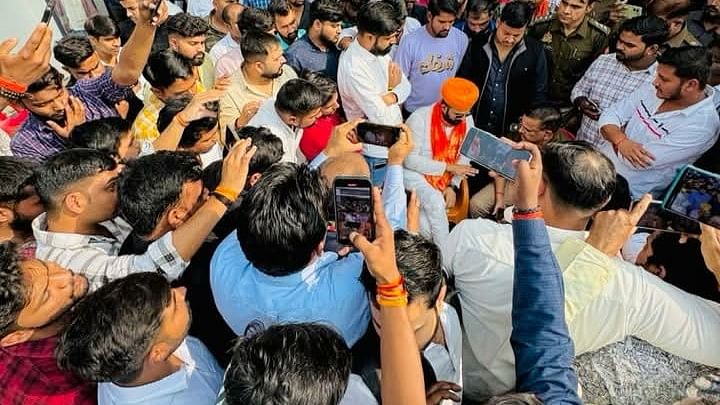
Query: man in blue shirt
column 316, row 51
column 274, row 270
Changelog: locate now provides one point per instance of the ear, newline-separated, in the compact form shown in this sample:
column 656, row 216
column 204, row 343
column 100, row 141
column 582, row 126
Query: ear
column 429, row 16
column 159, row 352
column 254, row 178
column 6, row 215
column 440, row 302
column 176, row 217
column 172, row 41
column 652, row 49
column 93, row 41
column 17, row 337
column 548, row 134
column 293, row 120
column 319, row 250
column 75, row 203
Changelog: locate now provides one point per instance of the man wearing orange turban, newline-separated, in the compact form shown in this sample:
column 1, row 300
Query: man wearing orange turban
column 435, row 168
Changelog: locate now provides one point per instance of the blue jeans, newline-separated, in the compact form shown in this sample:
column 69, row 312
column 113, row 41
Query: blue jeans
column 378, row 167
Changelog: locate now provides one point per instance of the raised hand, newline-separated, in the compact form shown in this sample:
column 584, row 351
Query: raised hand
column 611, row 229
column 31, row 62
column 74, row 116
column 399, row 151
column 236, row 165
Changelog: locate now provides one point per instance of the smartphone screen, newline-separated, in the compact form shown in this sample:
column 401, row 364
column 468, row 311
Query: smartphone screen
column 695, row 194
column 376, row 134
column 488, row 151
column 47, row 14
column 658, row 219
column 353, row 207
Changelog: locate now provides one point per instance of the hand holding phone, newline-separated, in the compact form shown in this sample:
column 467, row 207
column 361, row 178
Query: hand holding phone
column 376, row 134
column 48, row 13
column 490, row 152
column 353, row 207
column 656, row 218
column 695, row 194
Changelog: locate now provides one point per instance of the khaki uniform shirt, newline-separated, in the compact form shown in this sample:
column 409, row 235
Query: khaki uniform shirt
column 569, row 56
column 684, row 38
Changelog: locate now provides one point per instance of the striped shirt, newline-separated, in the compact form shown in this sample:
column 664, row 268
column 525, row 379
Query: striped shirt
column 35, row 140
column 263, row 4
column 607, row 81
column 96, row 256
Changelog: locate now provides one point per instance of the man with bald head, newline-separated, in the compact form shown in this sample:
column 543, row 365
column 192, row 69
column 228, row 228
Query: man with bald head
column 346, row 164
column 230, row 17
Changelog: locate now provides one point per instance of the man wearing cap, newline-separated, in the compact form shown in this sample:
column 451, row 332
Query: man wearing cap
column 434, row 168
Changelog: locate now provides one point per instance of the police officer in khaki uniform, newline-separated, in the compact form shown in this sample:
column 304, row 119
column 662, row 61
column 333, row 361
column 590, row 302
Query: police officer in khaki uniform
column 679, row 33
column 572, row 40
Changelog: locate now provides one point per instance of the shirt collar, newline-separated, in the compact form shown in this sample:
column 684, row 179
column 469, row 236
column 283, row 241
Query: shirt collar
column 74, row 240
column 582, row 30
column 308, row 275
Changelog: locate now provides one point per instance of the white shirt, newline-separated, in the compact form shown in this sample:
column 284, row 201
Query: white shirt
column 362, row 82
column 605, row 300
column 446, row 360
column 197, row 382
column 213, row 155
column 4, row 144
column 222, row 47
column 268, row 117
column 675, row 138
column 199, row 8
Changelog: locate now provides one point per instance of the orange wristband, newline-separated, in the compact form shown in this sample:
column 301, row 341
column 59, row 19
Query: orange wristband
column 392, row 302
column 228, row 193
column 400, row 281
column 181, row 121
column 12, row 86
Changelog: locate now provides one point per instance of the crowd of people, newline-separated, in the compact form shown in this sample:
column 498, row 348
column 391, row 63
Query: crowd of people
column 169, row 232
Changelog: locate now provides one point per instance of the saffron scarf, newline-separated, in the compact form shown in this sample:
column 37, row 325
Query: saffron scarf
column 444, row 149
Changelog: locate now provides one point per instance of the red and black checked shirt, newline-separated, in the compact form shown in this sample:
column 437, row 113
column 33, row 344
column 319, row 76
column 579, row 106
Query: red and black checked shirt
column 29, row 374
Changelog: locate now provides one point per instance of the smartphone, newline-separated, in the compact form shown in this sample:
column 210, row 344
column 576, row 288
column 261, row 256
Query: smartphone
column 656, row 218
column 695, row 194
column 630, row 11
column 48, row 13
column 353, row 207
column 594, row 105
column 490, row 152
column 376, row 134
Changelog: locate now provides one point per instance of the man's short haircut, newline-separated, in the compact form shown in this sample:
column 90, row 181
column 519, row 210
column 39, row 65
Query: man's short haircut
column 435, row 7
column 112, row 329
column 515, row 398
column 651, row 29
column 15, row 174
column 72, row 50
column 326, row 11
column 255, row 19
column 66, row 168
column 517, row 14
column 51, row 78
column 327, row 86
column 226, row 13
column 104, row 134
column 269, row 148
column 164, row 67
column 101, row 26
column 298, row 97
column 300, row 363
column 419, row 263
column 13, row 291
column 279, row 7
column 579, row 176
column 150, row 185
column 379, row 18
column 282, row 219
column 186, row 25
column 195, row 129
column 479, row 6
column 690, row 62
column 255, row 45
column 549, row 117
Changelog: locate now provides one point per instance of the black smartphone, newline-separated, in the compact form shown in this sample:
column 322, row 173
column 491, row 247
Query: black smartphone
column 48, row 13
column 376, row 134
column 695, row 194
column 490, row 152
column 656, row 218
column 353, row 207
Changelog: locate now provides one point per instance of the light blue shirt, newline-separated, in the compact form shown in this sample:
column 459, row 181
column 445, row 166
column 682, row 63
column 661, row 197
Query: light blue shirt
column 327, row 291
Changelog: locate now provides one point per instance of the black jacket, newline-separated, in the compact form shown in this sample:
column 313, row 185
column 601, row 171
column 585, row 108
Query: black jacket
column 526, row 84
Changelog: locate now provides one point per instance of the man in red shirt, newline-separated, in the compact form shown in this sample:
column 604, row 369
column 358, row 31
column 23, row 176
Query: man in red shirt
column 35, row 296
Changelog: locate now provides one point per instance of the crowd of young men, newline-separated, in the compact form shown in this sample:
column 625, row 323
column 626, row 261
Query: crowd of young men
column 167, row 231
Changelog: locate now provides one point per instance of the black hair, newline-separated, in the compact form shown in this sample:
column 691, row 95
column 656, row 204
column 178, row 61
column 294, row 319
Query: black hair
column 379, row 18
column 103, row 134
column 282, row 219
column 72, row 50
column 327, row 86
column 279, row 7
column 435, row 7
column 479, row 6
column 300, row 363
column 255, row 19
column 580, row 176
column 51, row 78
column 165, row 67
column 298, row 97
column 67, row 168
column 550, row 117
column 419, row 263
column 517, row 14
column 269, row 148
column 255, row 45
column 186, row 25
column 13, row 291
column 651, row 29
column 325, row 10
column 195, row 129
column 112, row 329
column 515, row 398
column 150, row 185
column 101, row 26
column 15, row 174
column 690, row 62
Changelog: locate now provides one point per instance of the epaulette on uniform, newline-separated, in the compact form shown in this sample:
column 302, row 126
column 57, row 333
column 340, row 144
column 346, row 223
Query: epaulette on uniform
column 598, row 25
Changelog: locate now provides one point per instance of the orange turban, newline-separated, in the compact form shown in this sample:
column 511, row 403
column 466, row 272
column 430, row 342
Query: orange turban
column 460, row 94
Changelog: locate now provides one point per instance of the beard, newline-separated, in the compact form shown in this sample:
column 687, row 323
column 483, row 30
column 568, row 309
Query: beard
column 198, row 59
column 273, row 76
column 621, row 57
column 379, row 51
column 292, row 36
column 327, row 42
column 442, row 34
column 674, row 95
column 21, row 224
column 452, row 121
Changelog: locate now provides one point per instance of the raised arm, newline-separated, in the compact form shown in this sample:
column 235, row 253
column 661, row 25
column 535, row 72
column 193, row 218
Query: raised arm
column 137, row 49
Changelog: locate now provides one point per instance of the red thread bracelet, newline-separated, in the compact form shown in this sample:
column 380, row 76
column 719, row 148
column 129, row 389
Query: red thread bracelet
column 14, row 87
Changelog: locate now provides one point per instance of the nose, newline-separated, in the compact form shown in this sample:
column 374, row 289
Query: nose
column 182, row 291
column 283, row 60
